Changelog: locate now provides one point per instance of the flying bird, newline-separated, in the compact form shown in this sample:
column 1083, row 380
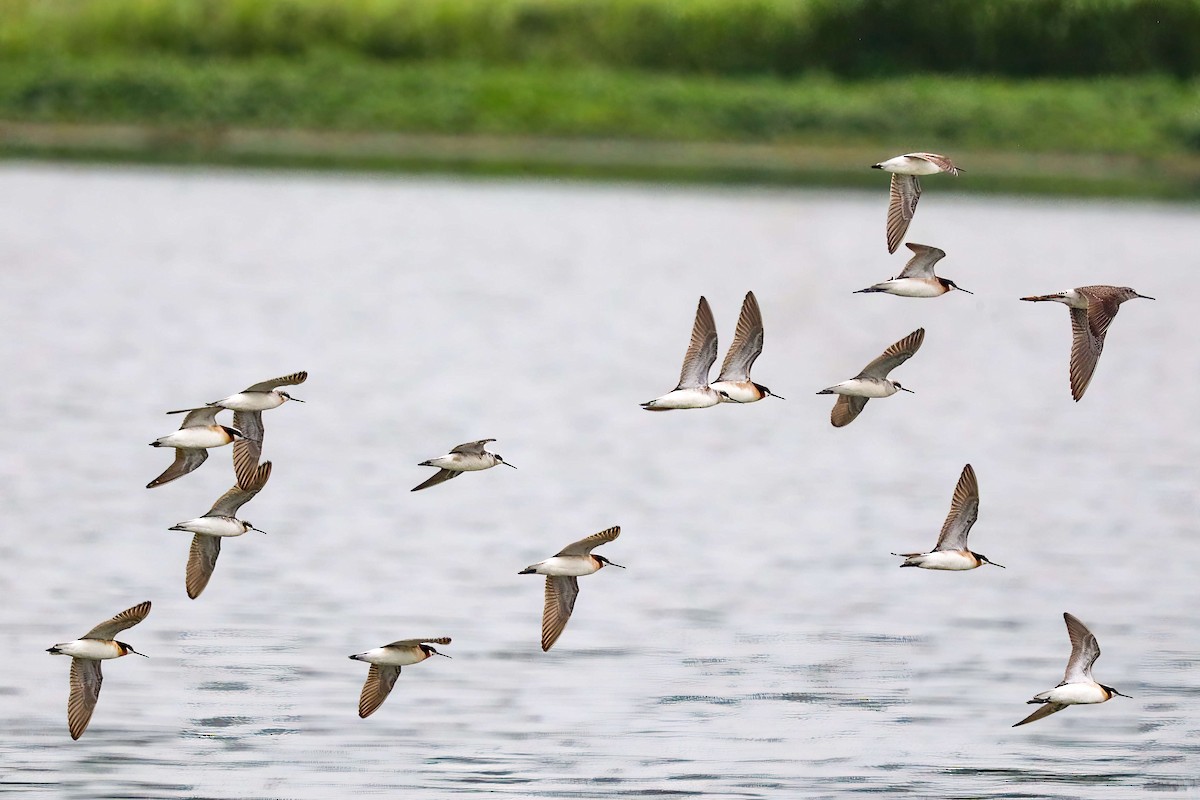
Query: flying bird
column 872, row 381
column 951, row 551
column 693, row 390
column 1077, row 687
column 1092, row 311
column 734, row 384
column 86, row 654
column 562, row 585
column 469, row 457
column 906, row 188
column 917, row 278
column 385, row 664
column 198, row 432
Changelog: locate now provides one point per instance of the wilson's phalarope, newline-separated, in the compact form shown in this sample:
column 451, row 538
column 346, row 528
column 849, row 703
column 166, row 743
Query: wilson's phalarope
column 1077, row 687
column 220, row 521
column 562, row 586
column 86, row 654
column 385, row 664
column 198, row 432
column 469, row 457
column 917, row 278
column 734, row 384
column 872, row 381
column 693, row 390
column 906, row 188
column 951, row 551
column 1092, row 311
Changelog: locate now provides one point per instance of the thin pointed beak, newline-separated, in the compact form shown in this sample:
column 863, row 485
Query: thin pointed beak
column 772, row 394
column 910, row 391
column 297, row 400
column 136, row 653
column 260, row 530
column 611, row 564
column 961, row 289
column 994, row 564
column 1144, row 297
column 443, row 655
column 505, row 463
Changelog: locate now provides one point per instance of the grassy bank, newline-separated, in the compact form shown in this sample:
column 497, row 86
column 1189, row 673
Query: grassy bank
column 1123, row 136
column 1026, row 38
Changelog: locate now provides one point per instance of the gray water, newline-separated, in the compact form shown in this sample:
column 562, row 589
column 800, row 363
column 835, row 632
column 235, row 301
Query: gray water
column 761, row 643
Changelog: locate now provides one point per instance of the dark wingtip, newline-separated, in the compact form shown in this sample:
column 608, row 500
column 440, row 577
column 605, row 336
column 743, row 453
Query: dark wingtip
column 876, row 166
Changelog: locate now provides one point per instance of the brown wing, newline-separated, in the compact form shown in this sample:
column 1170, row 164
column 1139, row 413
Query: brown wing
column 561, row 592
column 85, row 690
column 227, row 505
column 472, row 448
column 1084, row 651
column 441, row 476
column 126, row 619
column 247, row 451
column 275, row 383
column 185, row 461
column 964, row 510
column 1085, row 351
column 846, row 409
column 380, row 681
column 202, row 560
column 894, row 356
column 585, row 546
column 1045, row 711
column 747, row 342
column 702, row 349
column 415, row 642
column 905, row 192
column 941, row 162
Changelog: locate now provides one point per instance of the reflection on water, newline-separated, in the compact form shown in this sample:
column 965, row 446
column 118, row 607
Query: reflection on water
column 762, row 642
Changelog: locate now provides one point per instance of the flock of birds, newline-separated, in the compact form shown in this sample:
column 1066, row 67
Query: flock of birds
column 1092, row 310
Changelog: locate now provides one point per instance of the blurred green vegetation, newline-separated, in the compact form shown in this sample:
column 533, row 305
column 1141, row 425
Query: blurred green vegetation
column 779, row 37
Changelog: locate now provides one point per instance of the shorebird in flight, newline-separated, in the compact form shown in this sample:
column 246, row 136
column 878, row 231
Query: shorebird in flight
column 906, row 188
column 1077, row 687
column 198, row 432
column 917, row 278
column 872, row 381
column 693, row 390
column 562, row 585
column 469, row 457
column 385, row 664
column 734, row 384
column 951, row 550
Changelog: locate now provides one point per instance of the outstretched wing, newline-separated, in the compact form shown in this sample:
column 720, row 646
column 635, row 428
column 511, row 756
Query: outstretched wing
column 702, row 349
column 846, row 409
column 275, row 383
column 441, row 476
column 472, row 448
column 585, row 546
column 126, row 619
column 1084, row 651
column 247, row 451
column 1045, row 711
column 202, row 560
column 415, row 642
column 85, row 691
column 227, row 505
column 380, row 681
column 186, row 460
column 747, row 342
column 905, row 192
column 964, row 510
column 921, row 264
column 894, row 356
column 561, row 592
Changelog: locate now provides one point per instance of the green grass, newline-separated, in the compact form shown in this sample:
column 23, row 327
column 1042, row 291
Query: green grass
column 1025, row 38
column 1142, row 116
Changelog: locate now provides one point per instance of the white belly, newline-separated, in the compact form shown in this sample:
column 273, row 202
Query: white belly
column 1075, row 694
column 944, row 559
column 251, row 401
column 91, row 649
column 462, row 462
column 196, row 438
column 685, row 398
column 910, row 287
column 212, row 526
column 563, row 566
column 738, row 391
column 393, row 656
column 865, row 388
column 906, row 165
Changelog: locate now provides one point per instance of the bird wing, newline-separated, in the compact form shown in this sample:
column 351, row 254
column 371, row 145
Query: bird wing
column 415, row 642
column 561, row 592
column 894, row 356
column 126, row 619
column 227, row 505
column 1045, row 711
column 964, row 510
column 186, row 460
column 1084, row 651
column 921, row 264
column 747, row 342
column 905, row 192
column 472, row 448
column 941, row 162
column 275, row 383
column 380, row 681
column 248, row 450
column 85, row 691
column 846, row 409
column 202, row 560
column 585, row 546
column 199, row 417
column 1086, row 347
column 441, row 476
column 702, row 350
